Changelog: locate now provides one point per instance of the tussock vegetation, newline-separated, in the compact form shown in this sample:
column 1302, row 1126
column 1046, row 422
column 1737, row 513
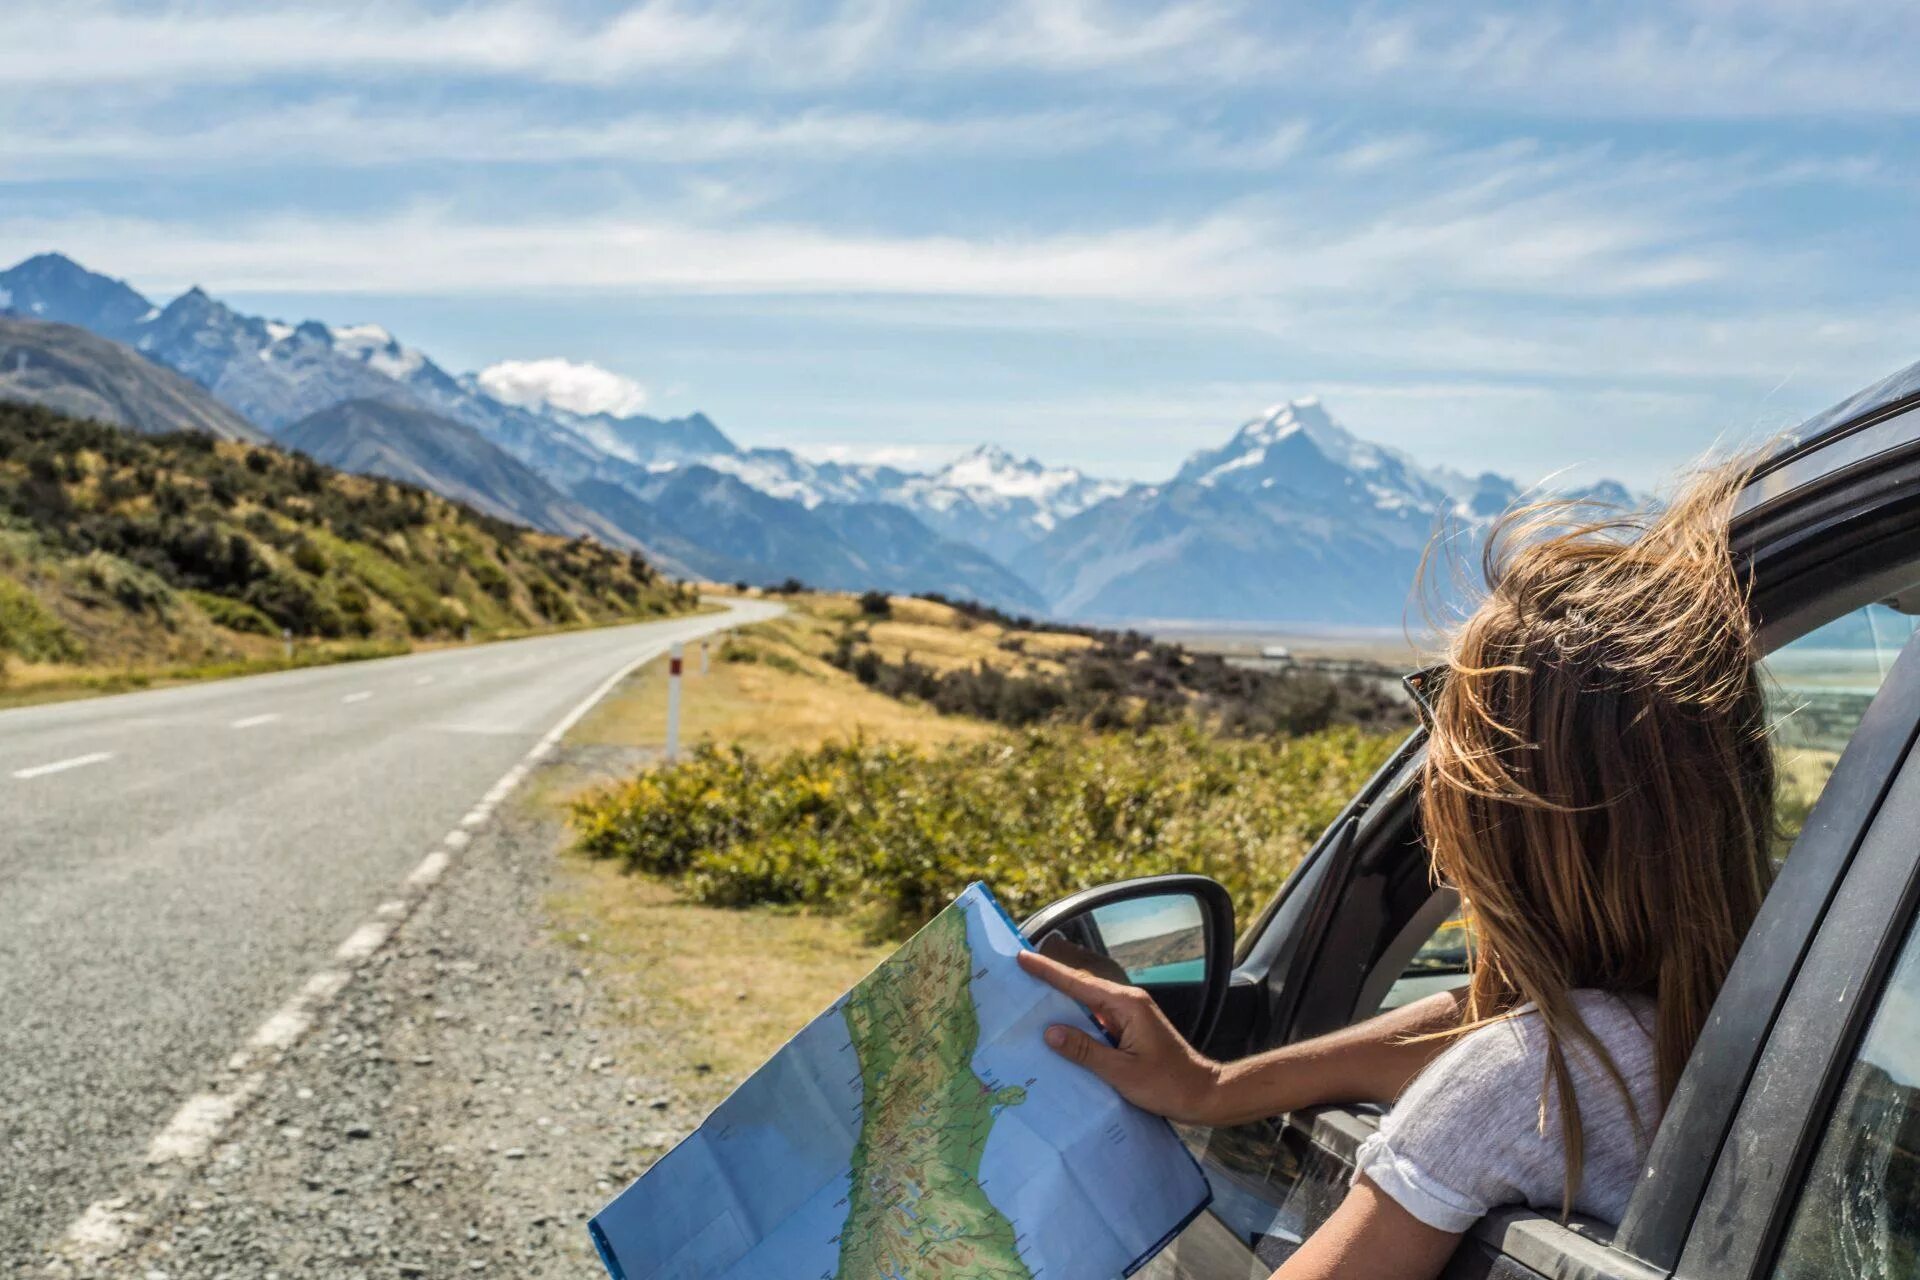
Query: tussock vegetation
column 1127, row 680
column 896, row 831
column 117, row 548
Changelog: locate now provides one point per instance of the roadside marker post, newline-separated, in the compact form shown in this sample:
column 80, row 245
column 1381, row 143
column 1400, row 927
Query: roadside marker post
column 673, row 702
column 703, row 657
column 286, row 641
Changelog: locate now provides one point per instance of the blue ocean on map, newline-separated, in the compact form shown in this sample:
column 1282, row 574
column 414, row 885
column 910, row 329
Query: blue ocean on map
column 1091, row 1185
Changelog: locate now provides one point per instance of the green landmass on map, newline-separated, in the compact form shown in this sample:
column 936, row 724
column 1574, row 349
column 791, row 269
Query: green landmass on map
column 917, row 1210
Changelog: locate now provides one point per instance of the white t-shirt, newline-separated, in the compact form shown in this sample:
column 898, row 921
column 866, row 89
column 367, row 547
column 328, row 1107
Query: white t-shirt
column 1466, row 1135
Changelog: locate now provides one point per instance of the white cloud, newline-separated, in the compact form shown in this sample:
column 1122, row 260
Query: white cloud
column 563, row 384
column 1088, row 35
column 60, row 137
column 1518, row 231
column 1635, row 59
column 61, row 43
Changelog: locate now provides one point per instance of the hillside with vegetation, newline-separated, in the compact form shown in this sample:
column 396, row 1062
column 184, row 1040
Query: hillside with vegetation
column 127, row 557
column 869, row 757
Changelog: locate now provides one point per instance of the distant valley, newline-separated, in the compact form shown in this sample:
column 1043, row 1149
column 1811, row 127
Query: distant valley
column 1292, row 519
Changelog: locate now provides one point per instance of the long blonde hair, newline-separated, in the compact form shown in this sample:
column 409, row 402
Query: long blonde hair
column 1598, row 784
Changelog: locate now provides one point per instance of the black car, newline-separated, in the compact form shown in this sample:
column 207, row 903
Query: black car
column 1792, row 1146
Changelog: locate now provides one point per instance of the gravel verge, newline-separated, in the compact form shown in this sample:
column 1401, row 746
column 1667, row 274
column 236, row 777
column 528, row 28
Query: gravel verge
column 462, row 1110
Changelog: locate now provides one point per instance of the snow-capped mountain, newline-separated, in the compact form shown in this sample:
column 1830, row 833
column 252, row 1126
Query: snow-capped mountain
column 1292, row 519
column 995, row 480
column 1298, row 446
column 998, row 502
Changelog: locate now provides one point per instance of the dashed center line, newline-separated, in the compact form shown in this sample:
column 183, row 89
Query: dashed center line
column 61, row 766
column 248, row 722
column 362, row 696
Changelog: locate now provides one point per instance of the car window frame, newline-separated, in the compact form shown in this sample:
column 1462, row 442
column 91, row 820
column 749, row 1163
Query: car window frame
column 1701, row 1114
column 1785, row 1110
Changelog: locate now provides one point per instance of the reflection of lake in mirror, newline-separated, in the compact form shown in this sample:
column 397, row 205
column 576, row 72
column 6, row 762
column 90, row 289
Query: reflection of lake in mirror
column 1155, row 939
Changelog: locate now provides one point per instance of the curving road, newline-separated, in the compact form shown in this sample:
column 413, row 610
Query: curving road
column 174, row 863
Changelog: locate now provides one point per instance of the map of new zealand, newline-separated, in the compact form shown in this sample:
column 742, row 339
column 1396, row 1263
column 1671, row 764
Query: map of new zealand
column 918, row 1129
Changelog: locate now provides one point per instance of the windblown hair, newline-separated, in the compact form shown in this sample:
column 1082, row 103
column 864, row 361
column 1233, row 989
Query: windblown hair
column 1598, row 784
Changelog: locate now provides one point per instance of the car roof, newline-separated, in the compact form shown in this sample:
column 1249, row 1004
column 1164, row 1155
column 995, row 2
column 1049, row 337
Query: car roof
column 1860, row 430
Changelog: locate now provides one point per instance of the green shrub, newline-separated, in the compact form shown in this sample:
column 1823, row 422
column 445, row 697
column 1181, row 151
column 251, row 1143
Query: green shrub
column 1037, row 816
column 309, row 558
column 29, row 629
column 234, row 615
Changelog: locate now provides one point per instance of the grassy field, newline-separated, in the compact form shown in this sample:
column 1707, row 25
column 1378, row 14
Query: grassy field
column 731, row 983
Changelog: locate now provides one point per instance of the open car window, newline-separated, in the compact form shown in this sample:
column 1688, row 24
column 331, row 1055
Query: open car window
column 1817, row 690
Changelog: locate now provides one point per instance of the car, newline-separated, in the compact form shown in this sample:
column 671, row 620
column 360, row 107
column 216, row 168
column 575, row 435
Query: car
column 1791, row 1146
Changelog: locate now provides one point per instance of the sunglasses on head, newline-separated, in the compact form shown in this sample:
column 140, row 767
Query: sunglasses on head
column 1423, row 686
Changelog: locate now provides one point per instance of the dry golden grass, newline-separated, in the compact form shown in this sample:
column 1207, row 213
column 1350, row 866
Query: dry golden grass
column 941, row 637
column 33, row 683
column 725, row 988
column 786, row 695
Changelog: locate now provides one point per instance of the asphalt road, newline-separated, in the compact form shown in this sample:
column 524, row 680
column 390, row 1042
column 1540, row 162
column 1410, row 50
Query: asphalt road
column 174, row 863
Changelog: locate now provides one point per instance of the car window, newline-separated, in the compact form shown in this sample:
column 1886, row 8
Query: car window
column 1859, row 1210
column 1817, row 689
column 1439, row 965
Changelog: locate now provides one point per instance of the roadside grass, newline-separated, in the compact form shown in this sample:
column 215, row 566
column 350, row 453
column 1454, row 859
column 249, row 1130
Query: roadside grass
column 726, row 987
column 679, row 964
column 31, row 684
column 768, row 688
column 28, row 684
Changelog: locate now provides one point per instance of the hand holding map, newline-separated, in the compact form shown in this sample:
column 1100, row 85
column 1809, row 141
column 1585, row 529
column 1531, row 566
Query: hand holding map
column 919, row 1129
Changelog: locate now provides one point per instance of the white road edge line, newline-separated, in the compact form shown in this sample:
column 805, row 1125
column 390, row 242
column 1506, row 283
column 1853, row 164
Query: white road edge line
column 361, row 696
column 108, row 1226
column 248, row 722
column 61, row 766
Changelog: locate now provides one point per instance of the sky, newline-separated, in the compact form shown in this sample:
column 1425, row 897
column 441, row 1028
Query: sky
column 1528, row 237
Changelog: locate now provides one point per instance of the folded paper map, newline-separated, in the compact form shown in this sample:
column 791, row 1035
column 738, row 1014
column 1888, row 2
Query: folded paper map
column 917, row 1130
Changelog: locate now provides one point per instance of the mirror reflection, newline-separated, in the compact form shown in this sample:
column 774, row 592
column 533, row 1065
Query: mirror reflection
column 1162, row 938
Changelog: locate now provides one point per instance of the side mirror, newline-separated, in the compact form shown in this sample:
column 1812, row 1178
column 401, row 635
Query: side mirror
column 1172, row 936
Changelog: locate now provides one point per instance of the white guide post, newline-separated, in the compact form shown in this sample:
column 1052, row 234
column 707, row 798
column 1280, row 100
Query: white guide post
column 673, row 703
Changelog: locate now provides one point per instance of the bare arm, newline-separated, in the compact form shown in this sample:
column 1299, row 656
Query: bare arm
column 1370, row 1237
column 1153, row 1067
column 1371, row 1061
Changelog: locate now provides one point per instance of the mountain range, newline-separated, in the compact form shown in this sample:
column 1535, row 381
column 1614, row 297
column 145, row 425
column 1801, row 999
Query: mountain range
column 1293, row 519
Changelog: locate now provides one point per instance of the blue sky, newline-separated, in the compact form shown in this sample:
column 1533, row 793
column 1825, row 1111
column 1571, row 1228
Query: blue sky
column 1521, row 237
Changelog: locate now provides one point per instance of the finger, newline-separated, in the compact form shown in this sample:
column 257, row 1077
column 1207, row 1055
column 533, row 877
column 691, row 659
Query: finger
column 1082, row 1049
column 1095, row 993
